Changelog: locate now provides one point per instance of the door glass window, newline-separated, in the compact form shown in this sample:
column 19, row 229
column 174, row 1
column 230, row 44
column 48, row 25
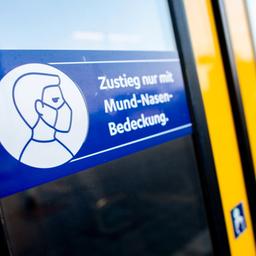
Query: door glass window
column 146, row 203
column 86, row 25
column 251, row 8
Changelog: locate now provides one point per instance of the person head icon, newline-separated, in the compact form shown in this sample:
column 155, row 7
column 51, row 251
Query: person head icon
column 236, row 214
column 53, row 109
column 48, row 119
column 46, row 112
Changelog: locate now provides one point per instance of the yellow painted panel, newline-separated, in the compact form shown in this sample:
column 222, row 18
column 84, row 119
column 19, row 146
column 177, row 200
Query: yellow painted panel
column 244, row 58
column 219, row 119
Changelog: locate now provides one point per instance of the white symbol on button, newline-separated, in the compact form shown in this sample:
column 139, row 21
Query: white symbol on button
column 239, row 221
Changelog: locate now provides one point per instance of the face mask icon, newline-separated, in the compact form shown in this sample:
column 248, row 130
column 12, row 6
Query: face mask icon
column 53, row 115
column 54, row 110
column 47, row 121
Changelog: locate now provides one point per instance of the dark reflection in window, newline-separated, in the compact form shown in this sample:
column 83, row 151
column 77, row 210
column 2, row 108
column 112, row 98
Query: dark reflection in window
column 148, row 203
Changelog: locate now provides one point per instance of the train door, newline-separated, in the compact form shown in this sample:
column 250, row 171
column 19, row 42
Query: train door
column 104, row 142
column 237, row 47
column 214, row 84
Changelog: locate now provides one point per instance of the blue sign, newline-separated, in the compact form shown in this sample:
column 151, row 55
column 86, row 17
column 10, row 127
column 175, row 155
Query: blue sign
column 238, row 220
column 65, row 111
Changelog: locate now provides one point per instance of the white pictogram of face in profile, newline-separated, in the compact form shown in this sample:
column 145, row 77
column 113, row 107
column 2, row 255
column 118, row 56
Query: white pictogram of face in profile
column 49, row 105
column 54, row 115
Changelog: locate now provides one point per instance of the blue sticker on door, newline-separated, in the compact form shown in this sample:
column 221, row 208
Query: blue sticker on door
column 238, row 220
column 65, row 111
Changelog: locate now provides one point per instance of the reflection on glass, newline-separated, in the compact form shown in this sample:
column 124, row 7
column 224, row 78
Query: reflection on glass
column 86, row 25
column 148, row 203
column 251, row 8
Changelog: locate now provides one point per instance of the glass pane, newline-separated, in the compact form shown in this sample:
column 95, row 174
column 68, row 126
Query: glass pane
column 147, row 203
column 251, row 7
column 79, row 24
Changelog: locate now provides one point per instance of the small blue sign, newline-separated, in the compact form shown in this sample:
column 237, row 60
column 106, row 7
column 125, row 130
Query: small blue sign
column 65, row 111
column 238, row 220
